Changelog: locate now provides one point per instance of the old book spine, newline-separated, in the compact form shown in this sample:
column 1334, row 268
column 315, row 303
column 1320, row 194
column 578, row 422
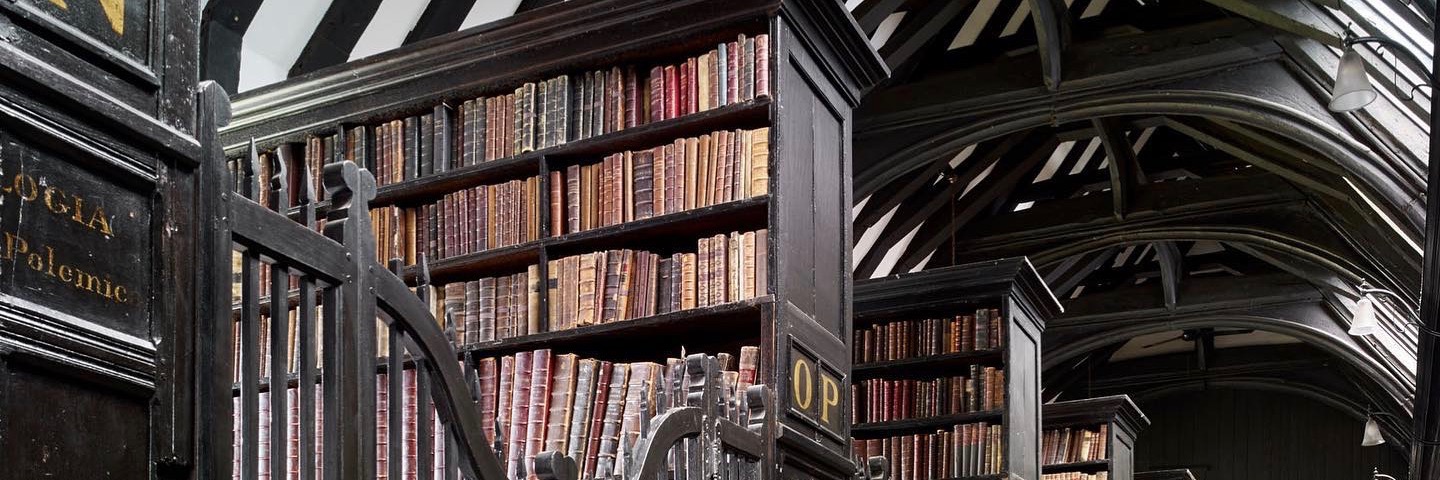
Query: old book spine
column 587, row 273
column 598, row 412
column 489, row 373
column 533, row 283
column 732, row 71
column 644, row 185
column 657, row 167
column 504, row 396
column 748, row 68
column 762, row 65
column 672, row 92
column 577, row 433
column 683, row 88
column 722, row 67
column 562, row 398
column 539, row 407
column 519, row 413
column 632, row 99
column 663, row 282
column 614, row 411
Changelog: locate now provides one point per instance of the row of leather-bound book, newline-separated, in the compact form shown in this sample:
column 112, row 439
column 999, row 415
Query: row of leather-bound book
column 965, row 450
column 530, row 402
column 1069, row 445
column 902, row 339
column 607, row 286
column 591, row 409
column 689, row 173
column 546, row 113
column 883, row 400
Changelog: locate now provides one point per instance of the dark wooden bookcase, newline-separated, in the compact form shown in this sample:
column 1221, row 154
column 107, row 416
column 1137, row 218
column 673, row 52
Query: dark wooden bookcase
column 1123, row 422
column 821, row 64
column 1173, row 474
column 1025, row 304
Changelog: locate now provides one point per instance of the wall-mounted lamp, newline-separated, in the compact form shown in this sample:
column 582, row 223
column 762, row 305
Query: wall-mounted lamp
column 1363, row 321
column 1372, row 435
column 1352, row 90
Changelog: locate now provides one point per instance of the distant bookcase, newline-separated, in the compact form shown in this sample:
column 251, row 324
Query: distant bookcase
column 983, row 321
column 423, row 118
column 1091, row 439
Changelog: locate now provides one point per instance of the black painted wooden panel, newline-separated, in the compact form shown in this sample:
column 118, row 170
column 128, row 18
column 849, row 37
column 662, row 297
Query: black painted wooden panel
column 43, row 415
column 1251, row 435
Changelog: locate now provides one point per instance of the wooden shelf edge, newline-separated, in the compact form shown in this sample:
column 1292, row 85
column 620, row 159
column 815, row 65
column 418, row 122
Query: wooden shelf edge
column 911, row 424
column 1086, row 466
column 871, row 369
column 609, row 331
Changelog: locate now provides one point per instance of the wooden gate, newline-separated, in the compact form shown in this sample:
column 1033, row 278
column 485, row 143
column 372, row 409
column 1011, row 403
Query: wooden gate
column 336, row 289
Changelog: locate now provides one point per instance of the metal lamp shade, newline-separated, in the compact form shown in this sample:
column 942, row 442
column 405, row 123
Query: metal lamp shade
column 1352, row 84
column 1363, row 323
column 1372, row 434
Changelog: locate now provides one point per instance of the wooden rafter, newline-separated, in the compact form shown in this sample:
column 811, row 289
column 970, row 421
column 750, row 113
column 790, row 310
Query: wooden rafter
column 920, row 28
column 223, row 26
column 440, row 17
column 336, row 35
column 1052, row 33
column 1204, row 132
column 1125, row 171
column 1000, row 182
column 1066, row 277
column 927, row 205
column 1172, row 270
column 871, row 12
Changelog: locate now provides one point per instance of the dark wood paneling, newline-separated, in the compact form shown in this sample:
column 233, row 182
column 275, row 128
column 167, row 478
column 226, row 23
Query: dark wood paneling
column 35, row 444
column 1249, row 435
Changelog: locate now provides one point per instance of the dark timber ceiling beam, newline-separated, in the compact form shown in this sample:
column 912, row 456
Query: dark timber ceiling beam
column 1172, row 270
column 335, row 37
column 222, row 31
column 1052, row 33
column 1055, row 384
column 1001, row 181
column 928, row 204
column 440, row 17
column 870, row 13
column 1076, row 269
column 1262, row 12
column 1201, row 131
column 1125, row 171
column 921, row 27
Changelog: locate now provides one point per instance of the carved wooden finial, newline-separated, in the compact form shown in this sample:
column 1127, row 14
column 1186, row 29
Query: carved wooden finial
column 341, row 180
column 756, row 397
column 551, row 465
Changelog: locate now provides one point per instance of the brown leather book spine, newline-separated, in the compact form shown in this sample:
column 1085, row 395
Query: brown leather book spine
column 597, row 419
column 488, row 376
column 672, row 92
column 657, row 94
column 732, row 73
column 644, row 184
column 519, row 413
column 587, row 273
column 614, row 412
column 539, row 407
column 762, row 65
column 632, row 100
column 562, row 398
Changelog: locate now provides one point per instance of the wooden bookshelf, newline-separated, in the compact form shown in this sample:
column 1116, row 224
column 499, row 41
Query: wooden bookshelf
column 820, row 65
column 1010, row 293
column 1122, row 422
